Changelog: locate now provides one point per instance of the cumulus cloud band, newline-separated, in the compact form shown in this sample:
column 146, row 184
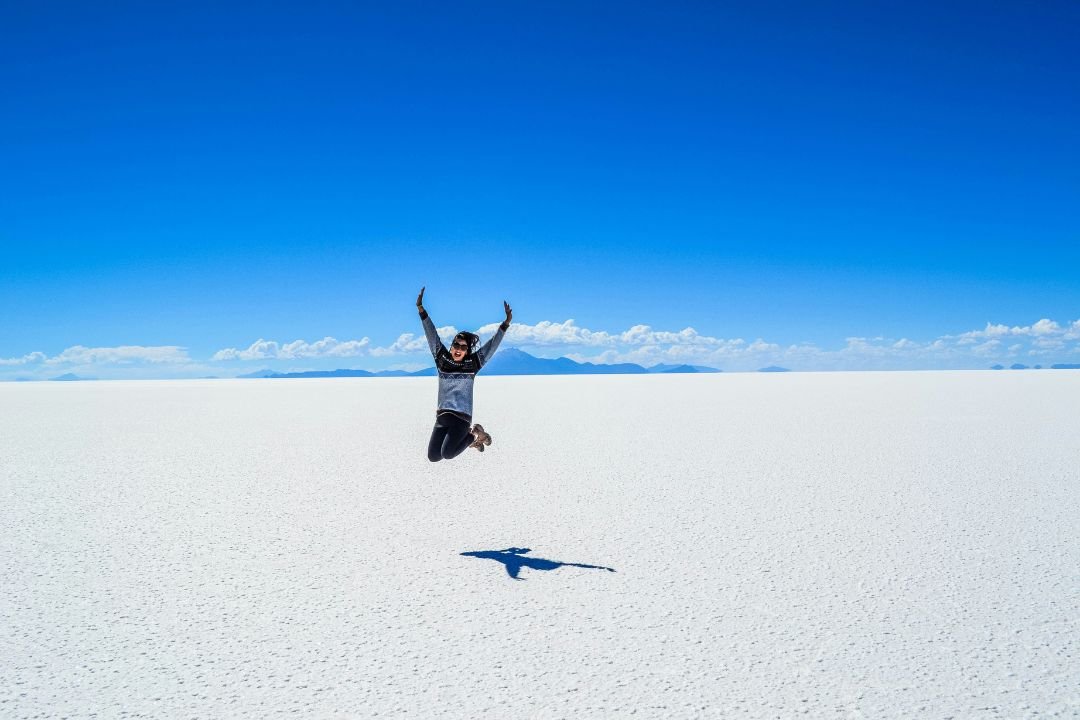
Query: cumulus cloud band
column 272, row 350
column 1043, row 340
column 120, row 355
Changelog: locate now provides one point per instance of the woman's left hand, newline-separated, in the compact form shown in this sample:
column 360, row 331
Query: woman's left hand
column 509, row 313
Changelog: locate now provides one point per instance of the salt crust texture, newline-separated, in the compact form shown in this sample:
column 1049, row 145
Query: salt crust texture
column 855, row 545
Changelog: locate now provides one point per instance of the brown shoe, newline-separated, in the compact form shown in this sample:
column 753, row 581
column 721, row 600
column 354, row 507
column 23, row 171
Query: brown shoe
column 477, row 444
column 481, row 434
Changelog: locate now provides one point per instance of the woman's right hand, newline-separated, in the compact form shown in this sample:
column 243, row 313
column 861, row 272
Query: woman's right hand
column 420, row 299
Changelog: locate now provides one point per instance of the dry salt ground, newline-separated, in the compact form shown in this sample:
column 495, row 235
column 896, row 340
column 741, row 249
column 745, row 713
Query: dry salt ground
column 850, row 545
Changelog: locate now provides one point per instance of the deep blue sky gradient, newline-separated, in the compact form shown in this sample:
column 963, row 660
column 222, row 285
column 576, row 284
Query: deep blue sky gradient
column 205, row 174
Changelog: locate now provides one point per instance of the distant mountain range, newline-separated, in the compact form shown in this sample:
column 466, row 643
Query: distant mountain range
column 509, row 361
column 512, row 361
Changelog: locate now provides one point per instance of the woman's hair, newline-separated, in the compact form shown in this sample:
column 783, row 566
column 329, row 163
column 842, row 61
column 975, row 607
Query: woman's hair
column 471, row 338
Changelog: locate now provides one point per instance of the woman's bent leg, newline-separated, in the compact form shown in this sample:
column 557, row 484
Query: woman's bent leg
column 458, row 438
column 435, row 444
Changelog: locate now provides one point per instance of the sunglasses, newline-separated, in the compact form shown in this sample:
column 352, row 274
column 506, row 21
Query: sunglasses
column 461, row 346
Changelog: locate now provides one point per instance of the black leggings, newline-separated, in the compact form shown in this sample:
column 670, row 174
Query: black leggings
column 449, row 438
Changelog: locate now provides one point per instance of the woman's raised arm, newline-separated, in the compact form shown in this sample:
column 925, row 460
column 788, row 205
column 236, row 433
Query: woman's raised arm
column 435, row 344
column 488, row 349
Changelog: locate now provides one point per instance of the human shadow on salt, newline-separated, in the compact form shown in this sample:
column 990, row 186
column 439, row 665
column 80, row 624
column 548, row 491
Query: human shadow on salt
column 514, row 559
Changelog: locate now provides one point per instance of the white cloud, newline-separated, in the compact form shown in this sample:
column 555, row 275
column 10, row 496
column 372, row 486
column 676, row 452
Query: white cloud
column 728, row 353
column 759, row 346
column 988, row 348
column 548, row 333
column 1049, row 343
column 989, row 331
column 1045, row 327
column 411, row 343
column 122, row 360
column 33, row 358
column 1042, row 328
column 257, row 350
column 406, row 343
column 121, row 355
column 328, row 347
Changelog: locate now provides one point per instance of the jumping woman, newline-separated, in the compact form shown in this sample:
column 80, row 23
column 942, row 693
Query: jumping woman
column 457, row 371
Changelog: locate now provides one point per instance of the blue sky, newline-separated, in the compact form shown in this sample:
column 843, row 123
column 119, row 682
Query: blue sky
column 185, row 179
